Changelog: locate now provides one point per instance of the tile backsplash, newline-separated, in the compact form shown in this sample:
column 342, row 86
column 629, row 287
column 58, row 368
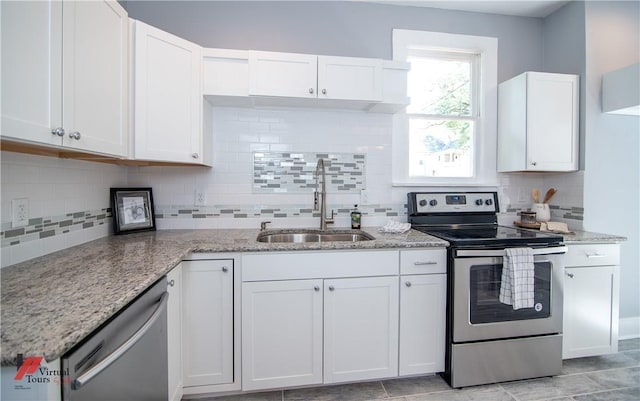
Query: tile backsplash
column 66, row 196
column 289, row 172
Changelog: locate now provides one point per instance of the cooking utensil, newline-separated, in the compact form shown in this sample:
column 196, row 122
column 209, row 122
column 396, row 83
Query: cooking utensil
column 549, row 195
column 535, row 194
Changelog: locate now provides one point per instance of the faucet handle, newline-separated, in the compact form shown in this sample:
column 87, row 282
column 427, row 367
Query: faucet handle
column 263, row 225
column 330, row 220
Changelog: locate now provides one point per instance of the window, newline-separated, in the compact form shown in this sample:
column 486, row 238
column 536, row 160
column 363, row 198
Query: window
column 448, row 134
column 442, row 113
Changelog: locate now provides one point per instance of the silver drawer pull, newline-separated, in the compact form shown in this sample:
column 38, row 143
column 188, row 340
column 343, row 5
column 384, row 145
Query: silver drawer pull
column 594, row 255
column 425, row 263
column 570, row 275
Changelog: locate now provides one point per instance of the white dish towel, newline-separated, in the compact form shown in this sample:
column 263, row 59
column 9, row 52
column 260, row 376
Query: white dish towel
column 516, row 287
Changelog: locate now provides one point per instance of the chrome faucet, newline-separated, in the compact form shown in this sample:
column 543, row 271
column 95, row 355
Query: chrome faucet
column 324, row 220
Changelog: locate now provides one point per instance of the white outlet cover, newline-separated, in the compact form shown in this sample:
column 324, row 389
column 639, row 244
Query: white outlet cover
column 200, row 197
column 19, row 212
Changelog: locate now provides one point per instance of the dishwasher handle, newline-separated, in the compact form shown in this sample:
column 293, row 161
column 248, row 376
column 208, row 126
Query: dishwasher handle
column 121, row 350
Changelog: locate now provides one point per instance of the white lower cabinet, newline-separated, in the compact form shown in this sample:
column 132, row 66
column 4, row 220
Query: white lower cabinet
column 591, row 300
column 319, row 317
column 422, row 330
column 174, row 332
column 281, row 333
column 207, row 322
column 360, row 328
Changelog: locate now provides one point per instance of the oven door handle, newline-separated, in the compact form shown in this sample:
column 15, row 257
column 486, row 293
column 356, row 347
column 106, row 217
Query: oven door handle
column 501, row 252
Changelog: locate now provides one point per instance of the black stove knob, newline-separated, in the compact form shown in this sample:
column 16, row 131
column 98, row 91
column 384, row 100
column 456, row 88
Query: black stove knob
column 433, row 202
column 423, row 203
column 479, row 202
column 488, row 202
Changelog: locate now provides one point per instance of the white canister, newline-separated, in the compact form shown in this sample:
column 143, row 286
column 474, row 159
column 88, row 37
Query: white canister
column 542, row 211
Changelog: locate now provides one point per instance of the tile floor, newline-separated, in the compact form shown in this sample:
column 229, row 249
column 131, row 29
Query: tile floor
column 605, row 378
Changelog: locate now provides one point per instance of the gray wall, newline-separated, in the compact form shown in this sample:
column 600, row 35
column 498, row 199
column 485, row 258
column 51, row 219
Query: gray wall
column 336, row 28
column 564, row 51
column 612, row 167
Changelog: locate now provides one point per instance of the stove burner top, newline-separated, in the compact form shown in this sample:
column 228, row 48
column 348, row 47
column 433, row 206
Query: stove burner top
column 490, row 235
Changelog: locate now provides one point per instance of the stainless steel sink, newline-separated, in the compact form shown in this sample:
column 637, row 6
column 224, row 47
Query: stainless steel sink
column 307, row 236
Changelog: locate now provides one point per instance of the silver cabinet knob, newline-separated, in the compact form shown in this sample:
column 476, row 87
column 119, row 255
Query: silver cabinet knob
column 225, row 269
column 316, row 288
column 408, row 283
column 58, row 131
column 534, row 163
column 311, row 90
column 331, row 288
column 195, row 155
column 74, row 135
column 324, row 91
column 171, row 283
column 570, row 275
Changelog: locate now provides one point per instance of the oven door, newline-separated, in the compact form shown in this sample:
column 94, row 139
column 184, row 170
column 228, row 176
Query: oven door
column 477, row 312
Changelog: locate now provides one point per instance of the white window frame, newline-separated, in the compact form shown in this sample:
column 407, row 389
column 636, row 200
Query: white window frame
column 485, row 131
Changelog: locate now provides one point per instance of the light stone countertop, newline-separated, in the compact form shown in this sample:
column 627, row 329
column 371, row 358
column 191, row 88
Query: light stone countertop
column 589, row 237
column 50, row 303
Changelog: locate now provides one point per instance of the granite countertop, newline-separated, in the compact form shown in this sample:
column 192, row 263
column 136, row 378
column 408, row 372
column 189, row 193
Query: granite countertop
column 50, row 303
column 589, row 237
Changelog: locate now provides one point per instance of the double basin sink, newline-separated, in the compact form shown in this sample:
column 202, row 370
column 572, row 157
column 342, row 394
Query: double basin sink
column 311, row 236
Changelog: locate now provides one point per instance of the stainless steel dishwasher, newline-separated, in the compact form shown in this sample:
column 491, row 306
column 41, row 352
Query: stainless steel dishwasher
column 126, row 358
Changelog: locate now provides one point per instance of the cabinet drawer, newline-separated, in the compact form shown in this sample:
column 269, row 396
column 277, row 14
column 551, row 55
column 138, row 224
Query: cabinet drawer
column 423, row 261
column 306, row 265
column 593, row 255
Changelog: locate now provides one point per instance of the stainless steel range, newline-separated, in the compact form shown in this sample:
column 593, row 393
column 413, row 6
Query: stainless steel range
column 489, row 341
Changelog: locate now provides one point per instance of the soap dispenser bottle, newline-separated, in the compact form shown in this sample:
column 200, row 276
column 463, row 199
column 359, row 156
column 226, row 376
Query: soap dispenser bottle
column 356, row 218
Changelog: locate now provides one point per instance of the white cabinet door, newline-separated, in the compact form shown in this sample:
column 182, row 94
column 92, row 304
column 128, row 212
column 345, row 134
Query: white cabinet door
column 590, row 311
column 282, row 74
column 538, row 122
column 281, row 333
column 207, row 317
column 422, row 323
column 95, row 76
column 31, row 70
column 167, row 97
column 552, row 122
column 66, row 70
column 174, row 333
column 360, row 329
column 349, row 78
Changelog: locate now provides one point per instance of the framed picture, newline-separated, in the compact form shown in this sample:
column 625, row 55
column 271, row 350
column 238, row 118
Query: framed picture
column 132, row 210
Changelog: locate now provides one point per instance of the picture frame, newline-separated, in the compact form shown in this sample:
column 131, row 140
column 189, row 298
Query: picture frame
column 132, row 210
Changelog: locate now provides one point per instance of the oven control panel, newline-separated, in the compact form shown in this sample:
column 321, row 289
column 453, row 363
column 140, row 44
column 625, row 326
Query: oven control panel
column 453, row 202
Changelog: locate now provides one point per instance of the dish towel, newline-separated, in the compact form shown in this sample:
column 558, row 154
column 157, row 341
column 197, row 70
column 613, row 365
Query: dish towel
column 395, row 227
column 516, row 287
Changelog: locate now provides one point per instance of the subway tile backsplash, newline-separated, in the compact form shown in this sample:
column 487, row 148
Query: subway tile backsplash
column 67, row 196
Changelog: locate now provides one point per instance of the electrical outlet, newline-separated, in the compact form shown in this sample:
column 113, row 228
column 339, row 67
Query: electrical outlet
column 19, row 212
column 200, row 197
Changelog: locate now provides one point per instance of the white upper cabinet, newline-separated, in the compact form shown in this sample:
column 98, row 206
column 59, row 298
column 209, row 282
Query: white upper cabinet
column 167, row 98
column 538, row 123
column 64, row 74
column 309, row 76
column 349, row 78
column 283, row 74
column 259, row 78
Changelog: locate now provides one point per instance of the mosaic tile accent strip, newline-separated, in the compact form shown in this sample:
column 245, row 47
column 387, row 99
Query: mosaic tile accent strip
column 287, row 172
column 564, row 212
column 44, row 227
column 269, row 212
